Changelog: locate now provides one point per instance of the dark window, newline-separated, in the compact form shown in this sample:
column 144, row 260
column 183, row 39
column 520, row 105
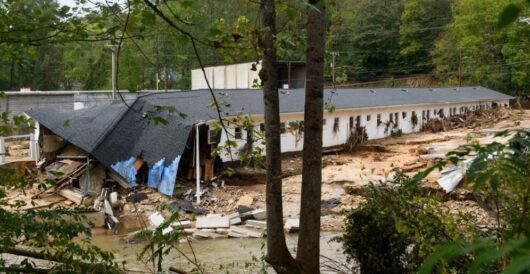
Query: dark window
column 379, row 119
column 358, row 121
column 336, row 124
column 404, row 114
column 262, row 127
column 213, row 136
column 391, row 117
column 368, row 117
column 324, row 121
column 238, row 133
column 301, row 126
column 351, row 122
column 282, row 128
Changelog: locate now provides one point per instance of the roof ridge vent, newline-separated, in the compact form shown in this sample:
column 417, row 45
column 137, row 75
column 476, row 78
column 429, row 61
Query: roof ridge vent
column 404, row 90
column 431, row 89
column 372, row 91
column 225, row 94
column 285, row 92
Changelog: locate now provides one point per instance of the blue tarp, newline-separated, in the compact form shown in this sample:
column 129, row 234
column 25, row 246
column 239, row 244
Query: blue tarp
column 168, row 178
column 155, row 174
column 160, row 176
column 126, row 169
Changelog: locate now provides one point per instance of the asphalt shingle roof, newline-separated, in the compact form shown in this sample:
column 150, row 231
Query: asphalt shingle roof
column 112, row 132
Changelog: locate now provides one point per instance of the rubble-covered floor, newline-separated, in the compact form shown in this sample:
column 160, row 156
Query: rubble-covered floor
column 374, row 161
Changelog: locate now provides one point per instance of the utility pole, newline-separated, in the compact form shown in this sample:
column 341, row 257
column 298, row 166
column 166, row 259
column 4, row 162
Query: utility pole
column 156, row 80
column 334, row 54
column 459, row 66
column 114, row 57
column 166, row 80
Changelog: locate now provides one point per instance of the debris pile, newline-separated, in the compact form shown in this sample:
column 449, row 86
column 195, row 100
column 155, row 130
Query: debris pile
column 471, row 120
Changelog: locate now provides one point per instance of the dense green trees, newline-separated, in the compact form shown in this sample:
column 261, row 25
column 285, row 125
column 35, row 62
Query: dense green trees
column 452, row 42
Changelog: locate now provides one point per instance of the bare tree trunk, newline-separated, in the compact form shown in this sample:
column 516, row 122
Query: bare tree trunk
column 277, row 253
column 309, row 236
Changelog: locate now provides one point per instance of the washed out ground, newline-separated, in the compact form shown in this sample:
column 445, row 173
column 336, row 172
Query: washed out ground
column 375, row 161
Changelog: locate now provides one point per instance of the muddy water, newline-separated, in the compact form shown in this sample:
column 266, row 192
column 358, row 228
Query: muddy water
column 233, row 255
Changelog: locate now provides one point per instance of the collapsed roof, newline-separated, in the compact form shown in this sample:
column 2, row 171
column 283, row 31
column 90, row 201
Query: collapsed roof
column 116, row 131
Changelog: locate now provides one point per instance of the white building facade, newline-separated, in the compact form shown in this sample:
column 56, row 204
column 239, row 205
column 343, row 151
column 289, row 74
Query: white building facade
column 378, row 122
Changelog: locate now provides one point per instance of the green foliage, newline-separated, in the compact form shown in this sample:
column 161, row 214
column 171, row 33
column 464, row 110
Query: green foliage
column 474, row 50
column 500, row 173
column 366, row 33
column 422, row 21
column 399, row 226
column 47, row 233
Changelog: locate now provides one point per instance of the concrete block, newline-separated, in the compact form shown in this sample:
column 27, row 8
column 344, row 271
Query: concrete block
column 255, row 223
column 246, row 231
column 207, row 234
column 292, row 225
column 181, row 224
column 212, row 222
column 234, row 218
column 156, row 219
column 259, row 214
column 222, row 231
column 233, row 234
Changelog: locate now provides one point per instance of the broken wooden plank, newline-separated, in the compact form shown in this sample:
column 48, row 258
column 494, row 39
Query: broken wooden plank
column 117, row 177
column 73, row 195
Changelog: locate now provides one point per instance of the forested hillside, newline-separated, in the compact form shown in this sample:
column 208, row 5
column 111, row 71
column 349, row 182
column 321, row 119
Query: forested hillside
column 378, row 42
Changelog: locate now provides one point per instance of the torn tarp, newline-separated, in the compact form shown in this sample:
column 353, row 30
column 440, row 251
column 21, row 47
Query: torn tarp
column 126, row 170
column 155, row 174
column 167, row 182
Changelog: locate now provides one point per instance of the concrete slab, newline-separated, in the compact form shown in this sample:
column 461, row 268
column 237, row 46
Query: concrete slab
column 259, row 214
column 246, row 231
column 207, row 234
column 256, row 223
column 292, row 225
column 233, row 234
column 181, row 224
column 213, row 222
column 235, row 219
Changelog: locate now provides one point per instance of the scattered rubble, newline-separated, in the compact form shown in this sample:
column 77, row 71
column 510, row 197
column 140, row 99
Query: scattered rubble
column 229, row 210
column 292, row 225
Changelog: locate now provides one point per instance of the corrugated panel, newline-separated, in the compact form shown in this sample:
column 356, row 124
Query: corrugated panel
column 231, row 76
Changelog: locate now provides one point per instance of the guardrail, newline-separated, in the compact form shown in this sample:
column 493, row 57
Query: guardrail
column 33, row 147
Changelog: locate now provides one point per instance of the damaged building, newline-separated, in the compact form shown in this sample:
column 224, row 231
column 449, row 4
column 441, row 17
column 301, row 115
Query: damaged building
column 161, row 138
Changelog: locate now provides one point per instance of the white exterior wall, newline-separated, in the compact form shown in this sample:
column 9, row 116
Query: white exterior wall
column 235, row 76
column 292, row 143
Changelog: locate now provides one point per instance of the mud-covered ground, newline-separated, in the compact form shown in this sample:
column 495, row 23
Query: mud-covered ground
column 375, row 161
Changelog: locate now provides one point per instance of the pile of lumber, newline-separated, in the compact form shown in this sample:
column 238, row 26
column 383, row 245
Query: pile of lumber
column 471, row 119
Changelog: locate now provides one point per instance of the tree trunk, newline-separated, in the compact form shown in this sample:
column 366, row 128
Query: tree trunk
column 277, row 253
column 309, row 236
